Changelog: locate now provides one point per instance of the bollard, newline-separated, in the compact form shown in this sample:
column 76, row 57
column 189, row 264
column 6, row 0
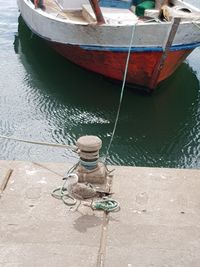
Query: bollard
column 90, row 169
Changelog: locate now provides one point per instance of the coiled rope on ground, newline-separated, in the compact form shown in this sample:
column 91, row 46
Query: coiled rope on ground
column 106, row 204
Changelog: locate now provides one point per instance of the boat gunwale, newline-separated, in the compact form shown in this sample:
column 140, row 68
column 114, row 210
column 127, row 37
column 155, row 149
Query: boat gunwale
column 69, row 21
column 112, row 47
column 138, row 22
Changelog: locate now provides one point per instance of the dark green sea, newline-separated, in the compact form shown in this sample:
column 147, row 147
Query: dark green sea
column 46, row 98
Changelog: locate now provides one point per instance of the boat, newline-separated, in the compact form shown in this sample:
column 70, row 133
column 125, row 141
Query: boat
column 119, row 39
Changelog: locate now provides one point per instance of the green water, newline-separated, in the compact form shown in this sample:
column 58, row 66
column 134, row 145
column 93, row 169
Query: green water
column 46, row 98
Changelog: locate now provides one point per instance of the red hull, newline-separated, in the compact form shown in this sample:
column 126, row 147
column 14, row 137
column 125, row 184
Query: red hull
column 142, row 65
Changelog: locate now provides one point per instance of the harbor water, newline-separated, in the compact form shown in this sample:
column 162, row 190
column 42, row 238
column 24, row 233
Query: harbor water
column 44, row 97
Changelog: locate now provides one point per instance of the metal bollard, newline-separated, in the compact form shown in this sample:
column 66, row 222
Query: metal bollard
column 90, row 169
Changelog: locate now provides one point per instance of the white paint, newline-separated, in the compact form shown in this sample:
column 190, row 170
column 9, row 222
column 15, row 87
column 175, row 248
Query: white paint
column 113, row 16
column 79, row 32
column 71, row 5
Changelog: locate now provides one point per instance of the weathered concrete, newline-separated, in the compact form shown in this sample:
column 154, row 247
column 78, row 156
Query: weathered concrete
column 158, row 224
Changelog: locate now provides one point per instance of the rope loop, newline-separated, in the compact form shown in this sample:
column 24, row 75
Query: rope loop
column 106, row 204
column 62, row 193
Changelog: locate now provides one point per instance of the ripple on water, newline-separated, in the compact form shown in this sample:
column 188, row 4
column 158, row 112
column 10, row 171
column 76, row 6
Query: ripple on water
column 43, row 97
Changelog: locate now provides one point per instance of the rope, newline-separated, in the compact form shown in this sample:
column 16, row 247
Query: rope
column 195, row 24
column 72, row 169
column 106, row 204
column 62, row 193
column 122, row 91
column 39, row 143
column 89, row 165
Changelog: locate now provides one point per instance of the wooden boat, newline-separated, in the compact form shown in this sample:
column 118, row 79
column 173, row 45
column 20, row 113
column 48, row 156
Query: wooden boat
column 104, row 37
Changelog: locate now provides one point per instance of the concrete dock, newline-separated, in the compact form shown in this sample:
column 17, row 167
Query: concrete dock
column 158, row 224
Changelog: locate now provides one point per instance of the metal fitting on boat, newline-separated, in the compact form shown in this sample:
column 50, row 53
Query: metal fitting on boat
column 90, row 169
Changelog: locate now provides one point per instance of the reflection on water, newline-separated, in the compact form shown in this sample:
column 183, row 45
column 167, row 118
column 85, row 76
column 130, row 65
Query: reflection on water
column 45, row 97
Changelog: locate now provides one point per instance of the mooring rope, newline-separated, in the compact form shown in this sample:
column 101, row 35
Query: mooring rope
column 195, row 24
column 122, row 91
column 72, row 147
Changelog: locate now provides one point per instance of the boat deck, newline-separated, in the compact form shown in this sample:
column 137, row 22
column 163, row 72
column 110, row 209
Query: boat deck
column 80, row 16
column 86, row 14
column 52, row 8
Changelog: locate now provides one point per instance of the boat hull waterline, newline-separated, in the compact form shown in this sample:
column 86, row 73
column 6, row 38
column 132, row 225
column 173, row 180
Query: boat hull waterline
column 104, row 48
column 112, row 64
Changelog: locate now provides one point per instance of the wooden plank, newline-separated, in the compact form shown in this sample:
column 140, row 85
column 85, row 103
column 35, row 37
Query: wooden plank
column 5, row 175
column 161, row 62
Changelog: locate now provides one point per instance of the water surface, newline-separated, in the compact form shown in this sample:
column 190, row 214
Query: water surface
column 44, row 97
